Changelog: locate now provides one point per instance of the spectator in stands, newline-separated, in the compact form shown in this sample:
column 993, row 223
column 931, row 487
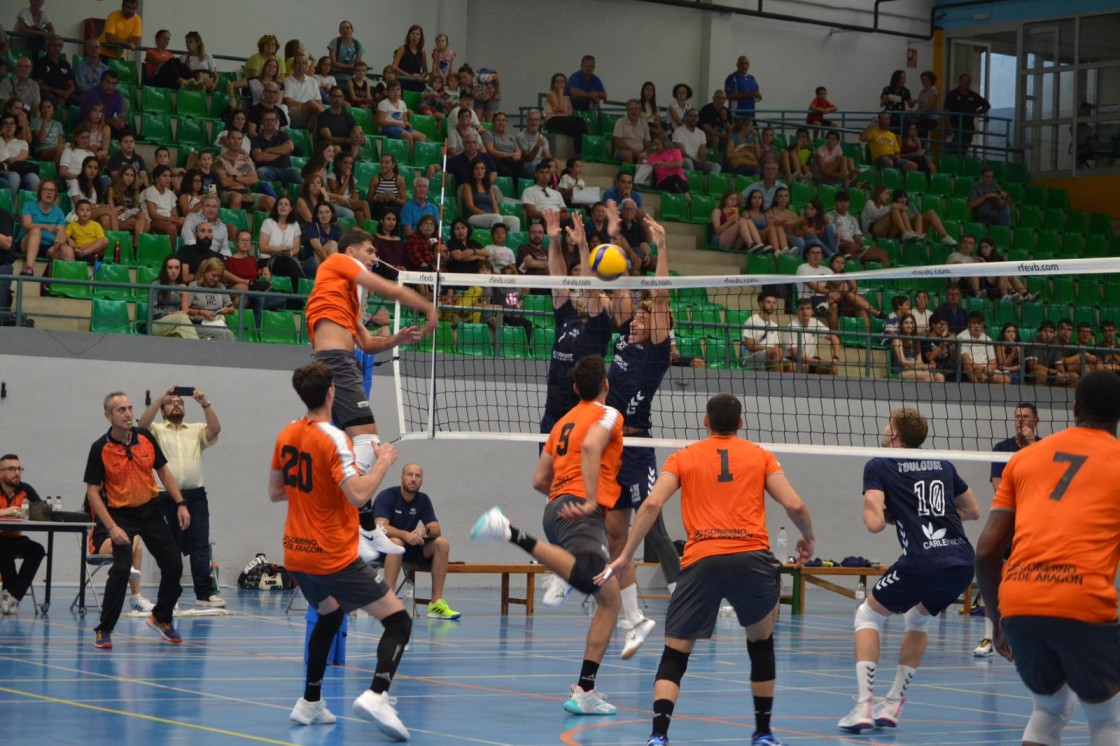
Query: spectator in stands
column 23, row 122
column 907, row 361
column 358, row 91
column 466, row 255
column 954, row 314
column 914, row 150
column 849, row 236
column 795, row 158
column 693, row 144
column 270, row 104
column 88, row 71
column 435, row 101
column 320, row 240
column 844, row 297
column 886, row 150
column 237, row 176
column 963, row 105
column 883, row 217
column 964, row 255
column 585, row 88
column 978, row 354
column 455, row 134
column 762, row 342
column 650, row 113
column 116, row 108
column 443, row 58
column 35, row 23
column 1085, row 137
column 345, row 52
column 754, row 219
column 123, row 28
column 162, row 206
column 1044, row 360
column 768, row 148
column 127, row 157
column 100, row 135
column 293, row 48
column 1077, row 357
column 381, row 88
column 410, row 61
column 1009, row 353
column 46, row 133
column 630, row 138
column 724, row 223
column 418, row 206
column 785, row 238
column 816, row 230
column 1108, row 351
column 803, row 340
column 280, row 240
column 742, row 149
column 768, row 185
column 44, row 227
column 815, row 291
column 168, row 317
column 989, row 203
column 388, row 241
column 21, row 86
column 271, row 152
column 343, row 188
column 14, row 493
column 163, row 158
column 830, row 165
column 161, row 66
column 559, row 114
column 940, row 350
column 633, row 238
column 532, row 142
column 819, row 108
column 1001, row 287
column 392, row 118
column 15, row 154
column 337, row 125
column 269, row 73
column 53, row 74
column 919, row 220
column 927, row 106
column 486, row 87
column 386, row 189
column 540, row 198
column 480, row 200
column 502, row 147
column 236, row 119
column 267, row 48
column 90, row 187
column 206, row 305
column 86, row 234
column 895, row 98
column 623, row 189
column 423, row 245
column 191, row 193
column 900, row 305
column 219, row 231
column 667, row 162
column 301, row 95
column 921, row 312
column 682, row 102
column 124, row 196
column 501, row 256
column 715, row 120
column 532, row 257
column 742, row 89
column 202, row 73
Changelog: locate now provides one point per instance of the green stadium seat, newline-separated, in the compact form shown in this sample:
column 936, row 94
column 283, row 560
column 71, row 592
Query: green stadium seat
column 826, row 193
column 853, row 333
column 718, row 184
column 514, row 343
column 7, row 202
column 155, row 100
column 957, row 209
column 443, row 339
column 1029, row 217
column 760, row 264
column 123, row 239
column 1035, row 196
column 125, row 69
column 1084, row 315
column 592, row 120
column 1100, row 224
column 1057, row 311
column 1053, row 219
column 63, row 270
column 474, row 339
column 1001, row 236
column 914, row 254
column 1057, row 197
column 970, row 167
column 916, row 182
column 543, row 340
column 949, row 164
column 800, row 193
column 152, row 249
column 1027, row 240
column 239, row 219
column 400, row 151
column 108, row 272
column 973, row 228
column 1073, row 246
column 146, row 275
column 193, row 133
column 363, row 118
column 219, row 105
column 940, row 185
column 596, row 149
column 1005, row 311
column 856, row 151
column 696, row 182
column 701, row 211
column 1018, row 255
column 301, row 139
column 718, row 354
column 1062, row 290
column 156, row 129
column 282, row 284
column 411, row 100
column 1049, row 243
column 962, row 186
column 191, row 104
column 673, row 207
column 858, row 200
column 425, row 124
column 1016, row 173
column 1097, row 247
column 428, row 154
column 110, row 317
column 279, row 327
column 1031, row 315
column 1076, row 220
column 939, row 253
column 890, row 177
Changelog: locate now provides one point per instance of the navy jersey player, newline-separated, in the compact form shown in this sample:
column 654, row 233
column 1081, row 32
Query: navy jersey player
column 926, row 500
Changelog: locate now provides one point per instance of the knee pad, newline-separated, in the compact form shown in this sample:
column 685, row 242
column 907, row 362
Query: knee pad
column 672, row 666
column 868, row 618
column 1104, row 721
column 363, row 451
column 583, row 573
column 398, row 628
column 916, row 621
column 328, row 625
column 761, row 652
column 1051, row 713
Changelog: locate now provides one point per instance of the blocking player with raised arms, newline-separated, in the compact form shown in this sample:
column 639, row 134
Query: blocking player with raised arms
column 1053, row 604
column 578, row 471
column 927, row 500
column 314, row 470
column 723, row 481
column 336, row 325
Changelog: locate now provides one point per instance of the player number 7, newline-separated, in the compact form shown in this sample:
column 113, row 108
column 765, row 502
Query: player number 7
column 1075, row 463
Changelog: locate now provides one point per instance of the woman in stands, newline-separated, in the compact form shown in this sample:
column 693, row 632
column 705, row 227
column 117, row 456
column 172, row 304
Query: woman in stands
column 480, row 200
column 742, row 148
column 269, row 73
column 321, row 239
column 1000, row 287
column 191, row 192
column 682, row 102
column 14, row 107
column 922, row 222
column 311, row 195
column 768, row 147
column 725, row 223
column 388, row 241
column 906, row 354
column 466, row 255
column 410, row 61
column 202, row 72
column 99, row 136
column 844, row 297
column 322, row 158
column 649, row 113
column 343, row 188
column 236, row 120
column 896, row 98
column 207, row 306
column 667, row 162
column 124, row 195
column 755, row 227
column 816, row 230
column 161, row 66
column 345, row 53
column 162, row 206
column 386, row 189
column 423, row 246
column 929, row 101
column 280, row 240
column 324, row 78
column 558, row 113
column 47, row 133
column 786, row 224
column 89, row 187
column 267, row 47
column 883, row 217
column 43, row 226
column 1009, row 352
column 795, row 158
column 168, row 317
column 915, row 151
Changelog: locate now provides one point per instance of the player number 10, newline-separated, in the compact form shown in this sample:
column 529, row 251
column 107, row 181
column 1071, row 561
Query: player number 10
column 932, row 503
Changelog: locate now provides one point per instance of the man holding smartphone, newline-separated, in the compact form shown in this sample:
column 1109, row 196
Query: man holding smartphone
column 183, row 443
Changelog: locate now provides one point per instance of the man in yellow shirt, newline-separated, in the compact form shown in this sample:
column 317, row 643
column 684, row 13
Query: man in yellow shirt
column 86, row 234
column 885, row 148
column 122, row 29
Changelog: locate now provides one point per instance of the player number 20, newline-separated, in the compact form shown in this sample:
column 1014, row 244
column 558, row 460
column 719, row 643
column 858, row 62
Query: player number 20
column 296, row 468
column 931, row 497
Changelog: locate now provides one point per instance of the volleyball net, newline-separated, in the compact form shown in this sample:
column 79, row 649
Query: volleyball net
column 840, row 366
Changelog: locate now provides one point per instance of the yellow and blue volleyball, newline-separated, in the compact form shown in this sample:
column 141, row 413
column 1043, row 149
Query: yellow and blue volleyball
column 608, row 261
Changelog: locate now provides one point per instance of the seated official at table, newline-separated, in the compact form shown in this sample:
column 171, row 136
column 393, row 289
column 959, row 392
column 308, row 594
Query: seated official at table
column 14, row 492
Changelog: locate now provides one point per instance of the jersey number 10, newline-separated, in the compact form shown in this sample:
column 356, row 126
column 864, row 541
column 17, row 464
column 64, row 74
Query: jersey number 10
column 931, row 497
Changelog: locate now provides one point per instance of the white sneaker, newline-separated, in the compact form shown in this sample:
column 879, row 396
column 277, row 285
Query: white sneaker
column 985, row 649
column 139, row 603
column 861, row 716
column 378, row 709
column 382, row 543
column 949, row 241
column 588, row 703
column 911, row 235
column 636, row 636
column 491, row 525
column 727, row 610
column 556, row 590
column 311, row 713
column 9, row 604
column 215, row 601
column 886, row 712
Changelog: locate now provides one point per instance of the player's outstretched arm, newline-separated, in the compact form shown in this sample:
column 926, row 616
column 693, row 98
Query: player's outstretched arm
column 407, row 296
column 665, row 487
column 874, row 510
column 779, row 488
column 968, row 507
column 360, row 489
column 996, row 535
column 660, row 323
column 374, row 344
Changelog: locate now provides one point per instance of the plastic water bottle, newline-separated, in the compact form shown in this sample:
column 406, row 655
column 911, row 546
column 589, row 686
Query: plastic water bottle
column 24, row 511
column 57, row 503
column 783, row 555
column 116, row 252
column 861, row 590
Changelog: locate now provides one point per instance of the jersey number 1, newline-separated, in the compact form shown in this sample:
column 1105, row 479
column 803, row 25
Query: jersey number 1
column 725, row 474
column 562, row 441
column 296, row 468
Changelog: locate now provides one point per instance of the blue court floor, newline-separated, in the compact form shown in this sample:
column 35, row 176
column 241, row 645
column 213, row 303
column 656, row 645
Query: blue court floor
column 482, row 680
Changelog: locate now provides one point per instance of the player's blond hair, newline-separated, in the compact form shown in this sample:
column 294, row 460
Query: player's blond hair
column 910, row 426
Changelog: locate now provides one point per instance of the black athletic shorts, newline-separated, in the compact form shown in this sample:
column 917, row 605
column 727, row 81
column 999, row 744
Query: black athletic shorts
column 583, row 536
column 636, row 475
column 1051, row 651
column 353, row 587
column 98, row 536
column 902, row 588
column 748, row 580
column 351, row 402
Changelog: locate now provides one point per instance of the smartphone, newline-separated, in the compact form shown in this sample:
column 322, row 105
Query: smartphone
column 183, row 391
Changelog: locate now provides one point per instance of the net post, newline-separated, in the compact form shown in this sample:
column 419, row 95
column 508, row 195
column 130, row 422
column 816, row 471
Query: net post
column 435, row 293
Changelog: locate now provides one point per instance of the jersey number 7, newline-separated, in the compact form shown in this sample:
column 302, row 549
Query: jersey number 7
column 1075, row 463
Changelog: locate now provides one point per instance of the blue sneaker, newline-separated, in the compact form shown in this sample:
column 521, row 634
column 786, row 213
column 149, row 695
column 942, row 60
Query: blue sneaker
column 766, row 739
column 103, row 640
column 658, row 741
column 166, row 630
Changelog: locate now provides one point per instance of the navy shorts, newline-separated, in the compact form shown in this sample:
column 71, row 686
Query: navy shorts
column 636, row 475
column 748, row 580
column 1050, row 651
column 902, row 587
column 414, row 554
column 353, row 587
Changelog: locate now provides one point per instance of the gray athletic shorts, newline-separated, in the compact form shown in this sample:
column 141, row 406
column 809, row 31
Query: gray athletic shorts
column 353, row 587
column 748, row 580
column 1051, row 651
column 351, row 403
column 584, row 536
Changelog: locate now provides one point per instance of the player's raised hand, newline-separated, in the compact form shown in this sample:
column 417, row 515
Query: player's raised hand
column 551, row 222
column 385, row 452
column 409, row 335
column 575, row 231
column 614, row 218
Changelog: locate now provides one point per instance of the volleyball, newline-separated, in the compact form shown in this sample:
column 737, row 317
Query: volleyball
column 608, row 261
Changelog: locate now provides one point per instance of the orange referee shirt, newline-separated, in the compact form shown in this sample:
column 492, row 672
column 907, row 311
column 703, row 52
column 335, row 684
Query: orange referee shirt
column 723, row 495
column 337, row 295
column 1065, row 493
column 321, row 531
column 566, row 440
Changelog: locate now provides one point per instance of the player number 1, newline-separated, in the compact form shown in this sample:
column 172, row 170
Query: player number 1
column 724, row 466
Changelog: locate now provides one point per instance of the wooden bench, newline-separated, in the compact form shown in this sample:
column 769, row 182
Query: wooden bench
column 816, row 576
column 505, row 570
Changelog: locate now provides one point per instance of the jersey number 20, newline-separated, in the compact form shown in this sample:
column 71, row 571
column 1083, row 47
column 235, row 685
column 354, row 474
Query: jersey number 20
column 296, row 468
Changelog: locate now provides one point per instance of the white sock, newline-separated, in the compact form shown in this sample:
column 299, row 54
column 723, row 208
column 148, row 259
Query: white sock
column 902, row 678
column 671, row 587
column 989, row 631
column 865, row 678
column 363, row 451
column 630, row 605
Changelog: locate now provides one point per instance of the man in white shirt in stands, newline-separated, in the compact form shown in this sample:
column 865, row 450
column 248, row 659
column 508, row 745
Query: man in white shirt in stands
column 532, row 142
column 630, row 138
column 762, row 342
column 978, row 354
column 219, row 239
column 816, row 292
column 802, row 342
column 301, row 95
column 540, row 198
column 693, row 143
